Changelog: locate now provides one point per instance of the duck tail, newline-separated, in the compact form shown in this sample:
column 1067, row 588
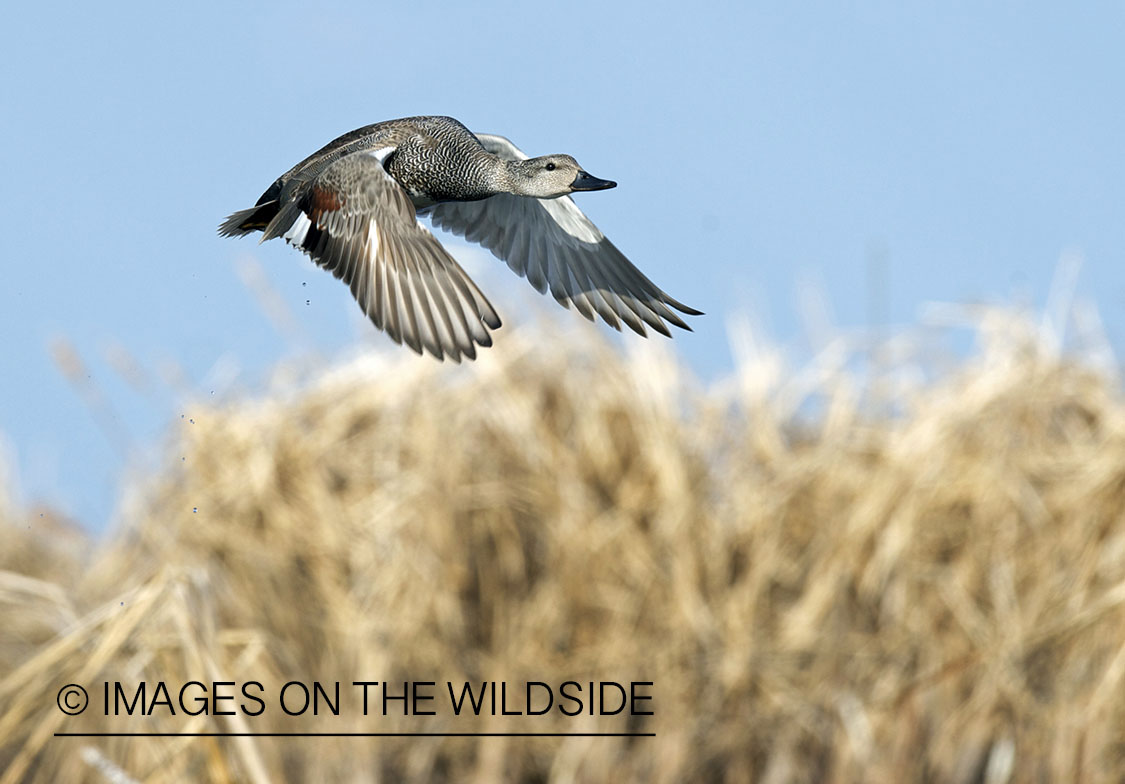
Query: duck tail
column 243, row 222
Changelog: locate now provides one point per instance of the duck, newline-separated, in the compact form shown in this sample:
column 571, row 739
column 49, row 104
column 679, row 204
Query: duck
column 353, row 207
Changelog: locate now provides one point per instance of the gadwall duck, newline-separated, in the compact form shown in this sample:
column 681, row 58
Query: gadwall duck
column 352, row 207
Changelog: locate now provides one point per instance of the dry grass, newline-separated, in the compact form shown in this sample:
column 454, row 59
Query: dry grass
column 931, row 594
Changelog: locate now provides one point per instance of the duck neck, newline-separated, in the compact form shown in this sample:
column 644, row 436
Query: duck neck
column 506, row 176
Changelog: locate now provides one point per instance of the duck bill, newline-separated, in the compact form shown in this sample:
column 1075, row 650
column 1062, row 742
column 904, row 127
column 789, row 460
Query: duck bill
column 587, row 182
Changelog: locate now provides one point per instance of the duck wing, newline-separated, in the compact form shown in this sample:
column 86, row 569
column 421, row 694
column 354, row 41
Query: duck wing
column 555, row 246
column 354, row 220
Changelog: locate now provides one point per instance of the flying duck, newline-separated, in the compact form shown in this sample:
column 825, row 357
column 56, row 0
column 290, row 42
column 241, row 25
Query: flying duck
column 352, row 206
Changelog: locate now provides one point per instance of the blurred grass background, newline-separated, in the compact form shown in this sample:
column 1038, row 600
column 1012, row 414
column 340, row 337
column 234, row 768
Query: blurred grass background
column 906, row 571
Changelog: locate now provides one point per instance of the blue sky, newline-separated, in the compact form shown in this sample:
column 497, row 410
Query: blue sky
column 754, row 146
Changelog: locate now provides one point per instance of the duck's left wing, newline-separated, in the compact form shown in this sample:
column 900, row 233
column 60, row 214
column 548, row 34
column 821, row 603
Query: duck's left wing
column 554, row 245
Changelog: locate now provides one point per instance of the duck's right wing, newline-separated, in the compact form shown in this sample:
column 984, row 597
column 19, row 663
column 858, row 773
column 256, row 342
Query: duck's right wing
column 354, row 220
column 554, row 245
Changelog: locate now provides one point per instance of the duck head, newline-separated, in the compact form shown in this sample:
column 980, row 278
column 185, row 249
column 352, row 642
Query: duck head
column 551, row 176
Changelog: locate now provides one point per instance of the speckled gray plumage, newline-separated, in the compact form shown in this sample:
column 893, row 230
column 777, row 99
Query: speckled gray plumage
column 352, row 205
column 434, row 159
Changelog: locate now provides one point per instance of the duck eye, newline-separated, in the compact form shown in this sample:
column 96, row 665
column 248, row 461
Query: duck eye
column 550, row 167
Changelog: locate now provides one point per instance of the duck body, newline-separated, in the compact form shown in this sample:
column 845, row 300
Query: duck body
column 352, row 206
column 434, row 159
column 442, row 162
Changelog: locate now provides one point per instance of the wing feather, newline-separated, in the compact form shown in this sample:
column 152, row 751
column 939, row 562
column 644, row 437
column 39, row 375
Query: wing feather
column 354, row 220
column 556, row 247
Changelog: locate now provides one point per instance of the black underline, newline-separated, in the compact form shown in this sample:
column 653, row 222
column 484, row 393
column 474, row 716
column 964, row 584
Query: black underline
column 355, row 734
